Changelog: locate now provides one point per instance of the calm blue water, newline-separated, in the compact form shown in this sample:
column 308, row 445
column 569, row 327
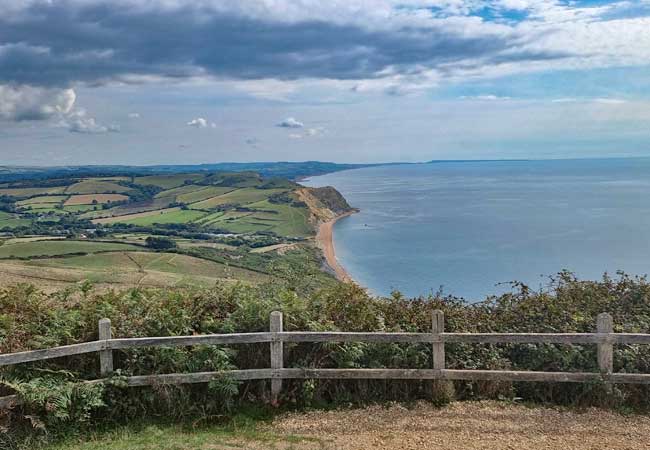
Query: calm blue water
column 468, row 226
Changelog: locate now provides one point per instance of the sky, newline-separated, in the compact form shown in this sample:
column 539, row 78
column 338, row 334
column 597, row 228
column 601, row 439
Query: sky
column 202, row 81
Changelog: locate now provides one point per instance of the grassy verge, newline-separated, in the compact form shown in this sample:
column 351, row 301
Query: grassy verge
column 246, row 431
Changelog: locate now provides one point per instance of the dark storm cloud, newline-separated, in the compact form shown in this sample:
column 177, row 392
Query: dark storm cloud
column 64, row 42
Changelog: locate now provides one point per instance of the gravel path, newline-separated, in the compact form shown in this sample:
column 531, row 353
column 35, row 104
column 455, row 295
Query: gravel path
column 464, row 426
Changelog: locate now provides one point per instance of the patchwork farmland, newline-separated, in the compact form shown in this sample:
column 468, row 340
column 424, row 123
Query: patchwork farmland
column 156, row 230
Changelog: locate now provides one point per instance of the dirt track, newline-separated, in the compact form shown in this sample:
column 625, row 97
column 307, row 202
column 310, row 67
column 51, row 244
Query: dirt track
column 465, row 426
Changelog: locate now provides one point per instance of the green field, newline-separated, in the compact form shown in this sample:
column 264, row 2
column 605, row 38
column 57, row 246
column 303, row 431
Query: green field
column 11, row 221
column 95, row 186
column 53, row 248
column 288, row 220
column 125, row 268
column 241, row 196
column 81, row 208
column 174, row 215
column 174, row 192
column 169, row 181
column 43, row 200
column 203, row 194
column 31, row 192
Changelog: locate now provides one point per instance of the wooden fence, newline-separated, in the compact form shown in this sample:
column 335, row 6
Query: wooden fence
column 604, row 338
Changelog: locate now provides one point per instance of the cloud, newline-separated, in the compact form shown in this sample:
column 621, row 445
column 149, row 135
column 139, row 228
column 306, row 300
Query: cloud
column 134, row 115
column 29, row 103
column 199, row 122
column 100, row 41
column 79, row 122
column 291, row 122
column 609, row 101
column 602, row 100
column 397, row 47
column 20, row 103
column 309, row 132
column 488, row 97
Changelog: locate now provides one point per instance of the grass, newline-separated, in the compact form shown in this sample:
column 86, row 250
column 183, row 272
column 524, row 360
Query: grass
column 174, row 192
column 31, row 192
column 94, row 186
column 80, row 208
column 203, row 194
column 62, row 247
column 125, row 269
column 168, row 181
column 172, row 215
column 10, row 221
column 39, row 206
column 88, row 199
column 44, row 199
column 241, row 196
column 287, row 220
column 241, row 432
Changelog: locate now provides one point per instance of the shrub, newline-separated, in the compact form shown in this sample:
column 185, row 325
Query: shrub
column 32, row 319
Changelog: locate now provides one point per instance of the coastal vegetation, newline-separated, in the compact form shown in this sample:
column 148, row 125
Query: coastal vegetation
column 56, row 400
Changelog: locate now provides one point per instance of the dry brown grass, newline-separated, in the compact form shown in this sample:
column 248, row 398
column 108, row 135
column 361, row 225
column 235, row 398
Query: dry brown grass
column 467, row 426
column 87, row 199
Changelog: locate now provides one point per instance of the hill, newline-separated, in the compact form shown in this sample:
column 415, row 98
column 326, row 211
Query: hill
column 282, row 169
column 238, row 220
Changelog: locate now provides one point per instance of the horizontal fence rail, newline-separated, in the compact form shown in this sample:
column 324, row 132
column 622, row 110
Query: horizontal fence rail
column 604, row 338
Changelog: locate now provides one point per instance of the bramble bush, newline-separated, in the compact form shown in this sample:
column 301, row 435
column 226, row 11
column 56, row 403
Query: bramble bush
column 55, row 398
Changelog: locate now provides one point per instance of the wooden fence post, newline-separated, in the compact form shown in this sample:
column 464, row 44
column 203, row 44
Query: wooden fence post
column 605, row 325
column 277, row 356
column 105, row 356
column 442, row 390
column 437, row 327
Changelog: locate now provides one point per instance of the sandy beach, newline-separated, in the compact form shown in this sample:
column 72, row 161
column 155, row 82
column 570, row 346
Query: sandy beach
column 326, row 244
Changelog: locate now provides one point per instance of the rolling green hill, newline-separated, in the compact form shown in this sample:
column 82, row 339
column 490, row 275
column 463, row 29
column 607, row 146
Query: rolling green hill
column 216, row 225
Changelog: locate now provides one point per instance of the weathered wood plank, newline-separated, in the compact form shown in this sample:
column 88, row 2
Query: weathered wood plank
column 50, row 353
column 382, row 374
column 342, row 336
column 277, row 356
column 198, row 377
column 456, row 374
column 438, row 327
column 105, row 356
column 605, row 324
column 468, row 338
column 179, row 341
column 523, row 338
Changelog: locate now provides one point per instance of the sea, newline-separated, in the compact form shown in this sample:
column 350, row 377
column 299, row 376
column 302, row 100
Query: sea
column 469, row 229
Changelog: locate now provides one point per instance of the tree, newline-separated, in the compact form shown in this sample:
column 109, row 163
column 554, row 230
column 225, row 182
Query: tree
column 160, row 243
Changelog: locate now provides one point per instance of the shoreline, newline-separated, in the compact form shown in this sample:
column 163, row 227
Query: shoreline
column 324, row 240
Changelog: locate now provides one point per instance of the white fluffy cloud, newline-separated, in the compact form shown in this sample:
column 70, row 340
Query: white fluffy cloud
column 78, row 121
column 200, row 122
column 19, row 103
column 291, row 122
column 28, row 103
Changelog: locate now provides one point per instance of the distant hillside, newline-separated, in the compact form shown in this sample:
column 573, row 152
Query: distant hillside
column 161, row 229
column 282, row 169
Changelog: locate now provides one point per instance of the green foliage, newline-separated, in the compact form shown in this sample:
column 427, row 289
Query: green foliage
column 31, row 319
column 160, row 242
column 52, row 398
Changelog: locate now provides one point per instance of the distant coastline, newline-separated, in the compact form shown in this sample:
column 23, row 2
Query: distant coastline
column 325, row 241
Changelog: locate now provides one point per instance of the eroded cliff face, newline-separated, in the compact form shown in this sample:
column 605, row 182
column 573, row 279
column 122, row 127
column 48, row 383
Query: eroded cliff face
column 324, row 203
